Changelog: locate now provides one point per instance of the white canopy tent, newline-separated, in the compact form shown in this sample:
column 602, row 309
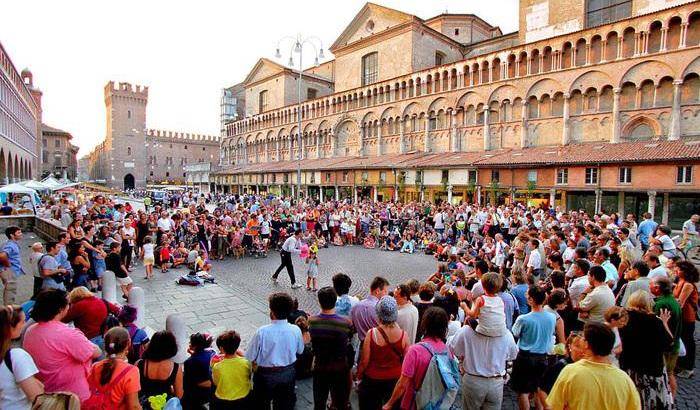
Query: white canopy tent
column 36, row 185
column 7, row 190
column 52, row 183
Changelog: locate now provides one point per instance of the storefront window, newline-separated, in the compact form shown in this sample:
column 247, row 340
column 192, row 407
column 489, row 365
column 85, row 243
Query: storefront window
column 680, row 209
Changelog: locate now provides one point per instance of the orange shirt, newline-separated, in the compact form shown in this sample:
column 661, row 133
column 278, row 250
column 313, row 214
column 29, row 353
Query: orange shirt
column 253, row 228
column 129, row 383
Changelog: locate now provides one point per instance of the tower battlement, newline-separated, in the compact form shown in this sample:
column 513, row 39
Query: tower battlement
column 126, row 89
column 166, row 134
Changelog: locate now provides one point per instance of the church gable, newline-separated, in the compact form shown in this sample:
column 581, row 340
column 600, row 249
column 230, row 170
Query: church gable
column 372, row 19
column 263, row 69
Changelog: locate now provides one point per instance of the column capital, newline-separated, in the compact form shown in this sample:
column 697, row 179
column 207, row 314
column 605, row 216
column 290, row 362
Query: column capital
column 651, row 193
column 617, row 90
column 677, row 82
column 567, row 96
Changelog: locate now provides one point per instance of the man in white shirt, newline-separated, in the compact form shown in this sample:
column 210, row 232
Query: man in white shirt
column 290, row 246
column 408, row 314
column 656, row 269
column 165, row 224
column 483, row 359
column 534, row 262
column 580, row 281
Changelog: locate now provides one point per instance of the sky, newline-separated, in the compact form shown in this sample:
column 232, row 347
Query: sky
column 185, row 51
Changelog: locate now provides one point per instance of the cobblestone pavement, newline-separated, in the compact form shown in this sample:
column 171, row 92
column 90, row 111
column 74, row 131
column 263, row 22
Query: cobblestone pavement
column 239, row 298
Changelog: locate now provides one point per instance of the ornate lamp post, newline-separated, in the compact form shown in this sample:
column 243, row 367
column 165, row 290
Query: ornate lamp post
column 297, row 46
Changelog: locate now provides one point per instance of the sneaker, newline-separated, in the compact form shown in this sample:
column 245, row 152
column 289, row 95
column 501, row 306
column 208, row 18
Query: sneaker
column 296, row 286
column 685, row 374
column 273, row 279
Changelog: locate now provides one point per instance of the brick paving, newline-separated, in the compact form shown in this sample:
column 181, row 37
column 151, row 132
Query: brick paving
column 239, row 298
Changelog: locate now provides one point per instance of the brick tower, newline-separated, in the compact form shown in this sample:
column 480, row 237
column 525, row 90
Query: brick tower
column 126, row 135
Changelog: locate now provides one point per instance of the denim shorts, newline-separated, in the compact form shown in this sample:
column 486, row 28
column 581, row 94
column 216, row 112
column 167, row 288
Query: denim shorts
column 100, row 267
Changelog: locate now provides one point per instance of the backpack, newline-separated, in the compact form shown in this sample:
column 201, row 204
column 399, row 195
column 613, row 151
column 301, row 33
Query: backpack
column 136, row 348
column 110, row 321
column 440, row 383
column 100, row 395
column 56, row 401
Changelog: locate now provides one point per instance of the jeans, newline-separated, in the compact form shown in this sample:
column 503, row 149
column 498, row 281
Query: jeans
column 481, row 393
column 337, row 383
column 372, row 393
column 687, row 362
column 274, row 386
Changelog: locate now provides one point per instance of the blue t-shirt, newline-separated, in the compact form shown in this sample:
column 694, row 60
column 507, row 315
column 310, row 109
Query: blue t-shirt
column 520, row 293
column 534, row 331
column 646, row 228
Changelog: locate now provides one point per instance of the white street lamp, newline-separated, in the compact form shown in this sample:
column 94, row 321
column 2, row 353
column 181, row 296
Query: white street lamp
column 298, row 44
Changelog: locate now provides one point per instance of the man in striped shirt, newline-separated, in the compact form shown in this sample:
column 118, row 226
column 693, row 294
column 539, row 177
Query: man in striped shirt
column 330, row 339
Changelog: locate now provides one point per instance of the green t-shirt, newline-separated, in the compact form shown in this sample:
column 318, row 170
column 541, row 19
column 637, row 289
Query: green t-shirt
column 674, row 323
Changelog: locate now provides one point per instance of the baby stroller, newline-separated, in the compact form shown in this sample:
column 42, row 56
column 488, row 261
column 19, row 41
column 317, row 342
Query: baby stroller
column 259, row 248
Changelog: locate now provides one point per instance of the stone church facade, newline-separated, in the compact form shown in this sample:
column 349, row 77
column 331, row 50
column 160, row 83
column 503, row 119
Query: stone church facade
column 132, row 156
column 450, row 108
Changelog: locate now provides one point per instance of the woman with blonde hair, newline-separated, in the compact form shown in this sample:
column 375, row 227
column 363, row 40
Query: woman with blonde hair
column 18, row 383
column 88, row 314
column 645, row 338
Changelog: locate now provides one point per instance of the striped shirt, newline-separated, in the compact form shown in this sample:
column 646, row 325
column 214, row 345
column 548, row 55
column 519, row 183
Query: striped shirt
column 330, row 338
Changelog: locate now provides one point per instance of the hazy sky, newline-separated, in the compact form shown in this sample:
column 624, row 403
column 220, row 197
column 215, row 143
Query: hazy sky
column 185, row 51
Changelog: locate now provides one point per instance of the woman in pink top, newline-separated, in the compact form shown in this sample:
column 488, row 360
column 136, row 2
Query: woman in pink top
column 415, row 364
column 62, row 354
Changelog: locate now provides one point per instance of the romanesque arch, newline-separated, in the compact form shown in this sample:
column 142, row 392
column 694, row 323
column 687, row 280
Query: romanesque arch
column 653, row 70
column 544, row 86
column 595, row 79
column 692, row 68
column 347, row 135
column 641, row 127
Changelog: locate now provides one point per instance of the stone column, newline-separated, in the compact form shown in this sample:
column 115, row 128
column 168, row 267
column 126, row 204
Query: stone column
column 402, row 143
column 137, row 299
column 486, row 131
column 565, row 132
column 374, row 194
column 354, row 194
column 616, row 116
column 621, row 203
column 320, row 193
column 361, row 146
column 552, row 197
column 245, row 153
column 523, row 126
column 664, row 212
column 449, row 194
column 334, row 142
column 379, row 138
column 478, row 194
column 292, row 138
column 664, row 38
column 598, row 199
column 267, row 150
column 318, row 145
column 652, row 202
column 278, row 157
column 426, row 137
column 109, row 287
column 337, row 193
column 684, row 35
column 674, row 129
column 453, row 131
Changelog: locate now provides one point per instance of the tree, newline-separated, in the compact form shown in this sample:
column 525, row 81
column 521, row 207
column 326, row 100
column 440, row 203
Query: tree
column 530, row 189
column 493, row 187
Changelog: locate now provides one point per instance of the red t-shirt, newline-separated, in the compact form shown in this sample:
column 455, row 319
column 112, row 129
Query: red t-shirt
column 88, row 315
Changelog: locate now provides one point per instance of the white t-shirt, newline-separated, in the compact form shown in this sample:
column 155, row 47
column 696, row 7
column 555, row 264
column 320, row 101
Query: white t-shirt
column 11, row 395
column 535, row 260
column 130, row 231
column 148, row 250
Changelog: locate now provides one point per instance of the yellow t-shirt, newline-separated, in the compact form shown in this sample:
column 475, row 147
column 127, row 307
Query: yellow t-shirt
column 588, row 385
column 232, row 378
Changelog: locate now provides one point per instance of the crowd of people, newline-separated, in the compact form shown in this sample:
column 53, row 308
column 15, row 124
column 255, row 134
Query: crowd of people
column 571, row 310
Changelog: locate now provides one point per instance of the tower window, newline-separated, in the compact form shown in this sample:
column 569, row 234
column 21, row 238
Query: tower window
column 128, row 151
column 605, row 11
column 262, row 101
column 456, row 32
column 439, row 58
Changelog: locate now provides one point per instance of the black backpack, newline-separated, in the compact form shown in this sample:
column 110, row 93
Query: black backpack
column 110, row 321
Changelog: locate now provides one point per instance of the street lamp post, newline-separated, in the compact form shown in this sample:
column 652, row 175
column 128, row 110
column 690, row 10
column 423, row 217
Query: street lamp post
column 298, row 44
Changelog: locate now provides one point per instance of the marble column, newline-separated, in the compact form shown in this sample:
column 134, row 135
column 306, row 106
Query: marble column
column 674, row 129
column 361, row 146
column 523, row 126
column 426, row 137
column 486, row 130
column 379, row 139
column 616, row 116
column 651, row 208
column 565, row 137
column 402, row 143
column 453, row 132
